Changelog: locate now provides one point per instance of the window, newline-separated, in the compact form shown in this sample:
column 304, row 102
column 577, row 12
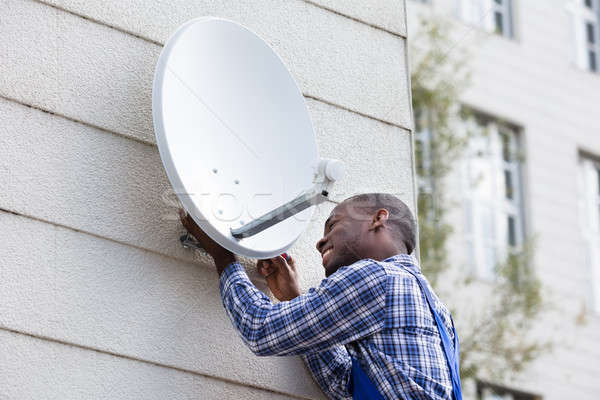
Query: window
column 423, row 156
column 590, row 222
column 491, row 15
column 492, row 195
column 502, row 17
column 586, row 27
column 423, row 151
column 488, row 391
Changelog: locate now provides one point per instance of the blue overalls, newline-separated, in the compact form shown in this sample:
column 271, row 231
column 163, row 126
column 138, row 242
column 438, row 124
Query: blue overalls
column 361, row 386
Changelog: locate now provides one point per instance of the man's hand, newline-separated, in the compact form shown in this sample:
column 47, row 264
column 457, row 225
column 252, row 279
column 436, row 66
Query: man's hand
column 221, row 256
column 281, row 277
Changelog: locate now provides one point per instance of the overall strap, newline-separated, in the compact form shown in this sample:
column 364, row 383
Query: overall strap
column 451, row 358
column 361, row 386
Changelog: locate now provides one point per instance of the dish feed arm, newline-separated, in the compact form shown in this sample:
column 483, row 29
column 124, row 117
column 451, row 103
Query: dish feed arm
column 328, row 171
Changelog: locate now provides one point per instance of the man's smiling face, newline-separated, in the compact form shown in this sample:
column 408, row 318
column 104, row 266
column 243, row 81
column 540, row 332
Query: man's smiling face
column 341, row 242
column 369, row 225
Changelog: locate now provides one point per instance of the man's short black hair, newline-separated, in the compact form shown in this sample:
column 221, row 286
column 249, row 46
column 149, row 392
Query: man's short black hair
column 400, row 219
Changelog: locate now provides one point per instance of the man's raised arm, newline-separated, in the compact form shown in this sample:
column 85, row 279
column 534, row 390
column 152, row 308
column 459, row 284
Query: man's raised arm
column 346, row 306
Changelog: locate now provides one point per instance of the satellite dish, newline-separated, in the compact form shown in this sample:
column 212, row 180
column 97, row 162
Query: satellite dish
column 235, row 137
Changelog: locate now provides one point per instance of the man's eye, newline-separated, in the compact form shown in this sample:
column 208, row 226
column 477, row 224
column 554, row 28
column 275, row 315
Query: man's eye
column 331, row 225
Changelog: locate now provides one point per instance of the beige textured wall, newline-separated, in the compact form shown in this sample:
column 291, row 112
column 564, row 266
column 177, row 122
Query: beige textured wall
column 97, row 298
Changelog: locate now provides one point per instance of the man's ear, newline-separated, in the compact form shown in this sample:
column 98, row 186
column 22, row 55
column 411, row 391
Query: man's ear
column 379, row 218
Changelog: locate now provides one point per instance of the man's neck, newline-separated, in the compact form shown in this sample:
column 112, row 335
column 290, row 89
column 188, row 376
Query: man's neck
column 387, row 253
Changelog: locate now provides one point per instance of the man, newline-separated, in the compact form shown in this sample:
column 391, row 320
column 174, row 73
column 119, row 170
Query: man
column 368, row 330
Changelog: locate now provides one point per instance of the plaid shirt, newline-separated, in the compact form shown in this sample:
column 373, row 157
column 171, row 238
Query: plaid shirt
column 371, row 310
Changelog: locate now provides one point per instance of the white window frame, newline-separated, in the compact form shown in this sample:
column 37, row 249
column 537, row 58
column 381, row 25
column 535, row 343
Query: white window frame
column 589, row 185
column 584, row 16
column 487, row 206
column 482, row 14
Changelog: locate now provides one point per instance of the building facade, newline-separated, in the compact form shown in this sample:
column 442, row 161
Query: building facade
column 98, row 299
column 536, row 87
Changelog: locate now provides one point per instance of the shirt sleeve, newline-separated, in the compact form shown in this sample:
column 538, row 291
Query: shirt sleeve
column 347, row 306
column 331, row 369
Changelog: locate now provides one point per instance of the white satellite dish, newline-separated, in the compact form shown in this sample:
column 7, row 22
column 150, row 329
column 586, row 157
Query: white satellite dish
column 235, row 137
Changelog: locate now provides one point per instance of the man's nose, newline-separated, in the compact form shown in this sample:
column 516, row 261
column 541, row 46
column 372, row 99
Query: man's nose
column 321, row 243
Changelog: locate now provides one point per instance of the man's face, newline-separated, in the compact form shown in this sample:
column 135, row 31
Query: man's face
column 341, row 242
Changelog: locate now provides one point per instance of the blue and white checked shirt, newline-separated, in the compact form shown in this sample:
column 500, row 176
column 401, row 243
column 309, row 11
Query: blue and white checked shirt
column 372, row 310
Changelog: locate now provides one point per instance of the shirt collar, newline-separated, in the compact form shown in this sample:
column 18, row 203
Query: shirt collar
column 406, row 260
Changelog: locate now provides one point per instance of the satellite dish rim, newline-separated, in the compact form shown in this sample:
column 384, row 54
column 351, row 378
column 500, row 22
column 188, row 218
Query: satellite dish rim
column 165, row 154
